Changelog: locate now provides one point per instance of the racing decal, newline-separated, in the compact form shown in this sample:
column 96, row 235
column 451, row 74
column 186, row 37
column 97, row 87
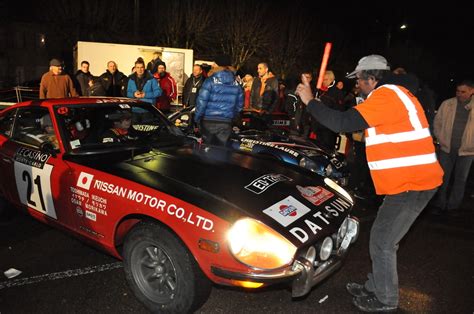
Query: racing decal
column 145, row 127
column 31, row 157
column 63, row 110
column 98, row 204
column 281, row 122
column 115, row 100
column 84, row 181
column 251, row 143
column 262, row 183
column 287, row 211
column 91, row 202
column 337, row 206
column 336, row 163
column 314, row 223
column 33, row 183
column 91, row 216
column 315, row 194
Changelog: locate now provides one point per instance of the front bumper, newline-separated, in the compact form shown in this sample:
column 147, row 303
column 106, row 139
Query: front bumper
column 305, row 272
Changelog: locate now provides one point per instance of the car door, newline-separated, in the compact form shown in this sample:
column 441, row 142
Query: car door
column 37, row 174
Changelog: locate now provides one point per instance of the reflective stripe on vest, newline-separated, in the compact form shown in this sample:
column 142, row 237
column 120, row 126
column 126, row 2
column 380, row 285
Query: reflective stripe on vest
column 417, row 134
column 402, row 162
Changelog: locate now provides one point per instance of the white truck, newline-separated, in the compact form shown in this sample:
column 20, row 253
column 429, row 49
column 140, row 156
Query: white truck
column 179, row 62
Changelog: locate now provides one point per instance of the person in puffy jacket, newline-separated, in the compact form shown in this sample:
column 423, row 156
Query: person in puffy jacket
column 142, row 84
column 220, row 99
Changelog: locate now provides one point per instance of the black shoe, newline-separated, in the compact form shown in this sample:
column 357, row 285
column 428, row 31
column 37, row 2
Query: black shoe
column 370, row 303
column 357, row 290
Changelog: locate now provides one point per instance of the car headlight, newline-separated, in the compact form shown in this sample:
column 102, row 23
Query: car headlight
column 311, row 165
column 328, row 170
column 326, row 249
column 333, row 185
column 259, row 246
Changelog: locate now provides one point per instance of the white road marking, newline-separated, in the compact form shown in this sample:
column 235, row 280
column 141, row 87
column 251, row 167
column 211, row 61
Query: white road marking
column 59, row 275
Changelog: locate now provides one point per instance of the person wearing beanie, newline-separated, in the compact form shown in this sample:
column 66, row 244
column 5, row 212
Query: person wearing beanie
column 220, row 100
column 55, row 83
column 168, row 87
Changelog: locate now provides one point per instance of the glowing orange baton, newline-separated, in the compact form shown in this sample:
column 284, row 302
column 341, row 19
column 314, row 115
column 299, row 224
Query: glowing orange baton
column 324, row 63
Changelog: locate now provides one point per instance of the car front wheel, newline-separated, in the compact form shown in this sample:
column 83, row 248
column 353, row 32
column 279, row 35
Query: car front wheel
column 161, row 271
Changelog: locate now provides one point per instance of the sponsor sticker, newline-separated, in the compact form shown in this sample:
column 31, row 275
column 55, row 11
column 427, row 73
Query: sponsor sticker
column 91, row 216
column 262, row 183
column 84, row 181
column 287, row 211
column 315, row 194
column 31, row 157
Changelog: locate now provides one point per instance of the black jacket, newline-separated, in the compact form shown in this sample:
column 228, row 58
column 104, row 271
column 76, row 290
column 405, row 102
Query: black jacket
column 114, row 84
column 189, row 97
column 81, row 82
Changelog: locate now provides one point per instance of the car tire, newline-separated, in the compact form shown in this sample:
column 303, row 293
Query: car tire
column 161, row 271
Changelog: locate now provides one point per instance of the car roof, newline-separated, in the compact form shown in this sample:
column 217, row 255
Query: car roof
column 76, row 101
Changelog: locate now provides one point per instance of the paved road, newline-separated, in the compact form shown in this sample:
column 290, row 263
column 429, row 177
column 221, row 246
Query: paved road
column 60, row 274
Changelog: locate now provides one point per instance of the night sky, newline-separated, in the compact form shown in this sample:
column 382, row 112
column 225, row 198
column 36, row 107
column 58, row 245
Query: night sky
column 436, row 45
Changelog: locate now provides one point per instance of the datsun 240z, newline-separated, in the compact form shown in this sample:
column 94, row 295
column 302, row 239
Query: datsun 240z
column 181, row 215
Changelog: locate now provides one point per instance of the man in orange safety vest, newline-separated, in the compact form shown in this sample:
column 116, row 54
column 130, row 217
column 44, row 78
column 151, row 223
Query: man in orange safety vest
column 402, row 162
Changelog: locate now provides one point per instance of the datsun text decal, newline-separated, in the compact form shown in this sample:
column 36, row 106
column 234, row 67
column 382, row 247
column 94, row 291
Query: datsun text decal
column 87, row 181
column 318, row 220
column 261, row 184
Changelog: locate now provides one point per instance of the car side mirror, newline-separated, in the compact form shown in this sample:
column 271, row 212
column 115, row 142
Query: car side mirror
column 48, row 148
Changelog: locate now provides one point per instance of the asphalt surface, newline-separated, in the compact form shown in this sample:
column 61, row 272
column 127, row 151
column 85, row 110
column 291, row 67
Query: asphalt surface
column 62, row 275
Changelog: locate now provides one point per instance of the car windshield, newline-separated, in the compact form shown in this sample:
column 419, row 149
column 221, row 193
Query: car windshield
column 99, row 125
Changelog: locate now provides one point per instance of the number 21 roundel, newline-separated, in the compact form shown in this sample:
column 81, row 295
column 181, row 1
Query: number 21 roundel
column 34, row 188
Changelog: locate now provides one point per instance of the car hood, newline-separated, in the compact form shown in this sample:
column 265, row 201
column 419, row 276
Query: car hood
column 233, row 185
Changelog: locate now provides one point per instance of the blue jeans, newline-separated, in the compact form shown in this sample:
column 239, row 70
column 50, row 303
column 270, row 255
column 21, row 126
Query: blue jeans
column 394, row 218
column 461, row 166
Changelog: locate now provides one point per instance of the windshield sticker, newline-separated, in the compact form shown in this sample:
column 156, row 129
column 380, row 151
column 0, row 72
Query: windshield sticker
column 287, row 211
column 315, row 194
column 63, row 111
column 145, row 127
column 124, row 106
column 75, row 144
column 262, row 183
column 252, row 142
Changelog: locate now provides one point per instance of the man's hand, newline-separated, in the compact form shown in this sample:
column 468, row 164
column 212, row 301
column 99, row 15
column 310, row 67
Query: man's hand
column 304, row 90
column 139, row 94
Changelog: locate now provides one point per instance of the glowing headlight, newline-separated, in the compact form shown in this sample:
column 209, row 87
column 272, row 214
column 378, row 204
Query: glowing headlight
column 259, row 246
column 326, row 249
column 333, row 185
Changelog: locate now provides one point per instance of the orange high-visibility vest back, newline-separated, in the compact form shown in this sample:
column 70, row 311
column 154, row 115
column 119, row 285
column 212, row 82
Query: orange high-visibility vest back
column 400, row 151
